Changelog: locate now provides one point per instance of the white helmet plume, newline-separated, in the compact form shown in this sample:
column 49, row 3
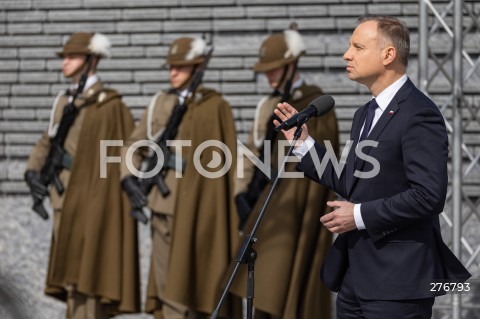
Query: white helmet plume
column 100, row 45
column 198, row 47
column 294, row 42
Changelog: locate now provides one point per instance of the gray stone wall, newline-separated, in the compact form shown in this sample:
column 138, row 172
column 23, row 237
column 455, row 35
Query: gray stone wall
column 31, row 31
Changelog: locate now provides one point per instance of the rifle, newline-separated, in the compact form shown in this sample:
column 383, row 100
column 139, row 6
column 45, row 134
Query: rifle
column 57, row 158
column 146, row 184
column 246, row 200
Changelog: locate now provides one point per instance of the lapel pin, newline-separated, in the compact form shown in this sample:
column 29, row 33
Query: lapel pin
column 390, row 112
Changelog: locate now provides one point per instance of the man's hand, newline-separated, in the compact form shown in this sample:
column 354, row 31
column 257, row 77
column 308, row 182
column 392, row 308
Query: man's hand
column 285, row 111
column 34, row 182
column 341, row 220
column 135, row 194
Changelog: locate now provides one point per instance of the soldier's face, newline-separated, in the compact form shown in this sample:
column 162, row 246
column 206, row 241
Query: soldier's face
column 72, row 64
column 179, row 74
column 274, row 76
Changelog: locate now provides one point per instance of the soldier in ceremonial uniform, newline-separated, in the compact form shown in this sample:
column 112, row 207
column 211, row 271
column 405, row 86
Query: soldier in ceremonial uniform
column 93, row 264
column 291, row 242
column 194, row 221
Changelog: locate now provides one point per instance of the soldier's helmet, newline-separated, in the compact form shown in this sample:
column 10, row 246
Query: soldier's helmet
column 278, row 50
column 88, row 44
column 186, row 51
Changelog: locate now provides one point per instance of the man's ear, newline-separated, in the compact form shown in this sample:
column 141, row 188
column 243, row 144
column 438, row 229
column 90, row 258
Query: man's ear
column 389, row 55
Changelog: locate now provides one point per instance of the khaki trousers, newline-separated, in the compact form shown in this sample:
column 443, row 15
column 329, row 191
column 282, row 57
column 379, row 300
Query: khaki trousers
column 80, row 306
column 161, row 245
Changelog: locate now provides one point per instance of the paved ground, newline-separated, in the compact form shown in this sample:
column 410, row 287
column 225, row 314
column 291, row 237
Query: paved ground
column 24, row 245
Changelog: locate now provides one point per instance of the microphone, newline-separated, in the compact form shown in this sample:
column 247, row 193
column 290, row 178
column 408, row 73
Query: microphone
column 317, row 107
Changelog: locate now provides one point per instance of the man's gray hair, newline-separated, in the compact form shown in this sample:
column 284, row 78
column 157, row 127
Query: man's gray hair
column 393, row 32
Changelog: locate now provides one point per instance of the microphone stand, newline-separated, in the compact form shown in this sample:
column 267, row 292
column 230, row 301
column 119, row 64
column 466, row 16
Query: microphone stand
column 248, row 255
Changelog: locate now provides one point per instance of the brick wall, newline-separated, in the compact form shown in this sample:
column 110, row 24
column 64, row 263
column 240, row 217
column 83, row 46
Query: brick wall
column 141, row 30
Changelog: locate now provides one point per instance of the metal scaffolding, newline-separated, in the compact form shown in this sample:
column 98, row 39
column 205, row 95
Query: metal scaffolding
column 455, row 67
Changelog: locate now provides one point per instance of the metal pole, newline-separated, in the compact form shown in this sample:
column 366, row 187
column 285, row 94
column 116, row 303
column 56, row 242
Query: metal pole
column 423, row 47
column 457, row 142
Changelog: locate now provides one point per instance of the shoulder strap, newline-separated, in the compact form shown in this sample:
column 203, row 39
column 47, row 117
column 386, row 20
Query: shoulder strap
column 261, row 128
column 173, row 123
column 52, row 126
column 161, row 103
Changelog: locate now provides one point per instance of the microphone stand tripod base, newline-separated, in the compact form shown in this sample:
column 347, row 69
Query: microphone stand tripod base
column 248, row 255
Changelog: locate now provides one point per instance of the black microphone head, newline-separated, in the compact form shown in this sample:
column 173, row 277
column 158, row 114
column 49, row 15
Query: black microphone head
column 323, row 104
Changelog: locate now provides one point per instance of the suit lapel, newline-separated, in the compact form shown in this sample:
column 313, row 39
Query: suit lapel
column 373, row 136
column 386, row 116
column 390, row 111
column 382, row 122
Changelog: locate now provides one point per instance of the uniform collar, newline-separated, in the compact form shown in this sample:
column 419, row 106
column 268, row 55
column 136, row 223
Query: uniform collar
column 91, row 80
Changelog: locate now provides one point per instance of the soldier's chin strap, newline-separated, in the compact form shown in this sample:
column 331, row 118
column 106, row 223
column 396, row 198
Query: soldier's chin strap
column 84, row 77
column 276, row 89
column 288, row 84
column 285, row 94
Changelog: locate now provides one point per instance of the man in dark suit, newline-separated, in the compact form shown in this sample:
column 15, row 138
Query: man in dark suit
column 389, row 247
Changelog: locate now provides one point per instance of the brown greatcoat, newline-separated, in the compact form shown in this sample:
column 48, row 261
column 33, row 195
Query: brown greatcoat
column 94, row 246
column 203, row 236
column 291, row 240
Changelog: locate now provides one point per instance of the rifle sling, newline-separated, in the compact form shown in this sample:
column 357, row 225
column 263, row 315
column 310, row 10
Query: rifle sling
column 259, row 179
column 70, row 113
column 171, row 129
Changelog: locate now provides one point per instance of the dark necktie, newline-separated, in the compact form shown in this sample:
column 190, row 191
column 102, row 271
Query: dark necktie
column 372, row 106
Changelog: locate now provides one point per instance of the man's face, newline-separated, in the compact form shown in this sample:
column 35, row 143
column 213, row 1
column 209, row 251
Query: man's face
column 72, row 64
column 179, row 74
column 275, row 76
column 364, row 55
